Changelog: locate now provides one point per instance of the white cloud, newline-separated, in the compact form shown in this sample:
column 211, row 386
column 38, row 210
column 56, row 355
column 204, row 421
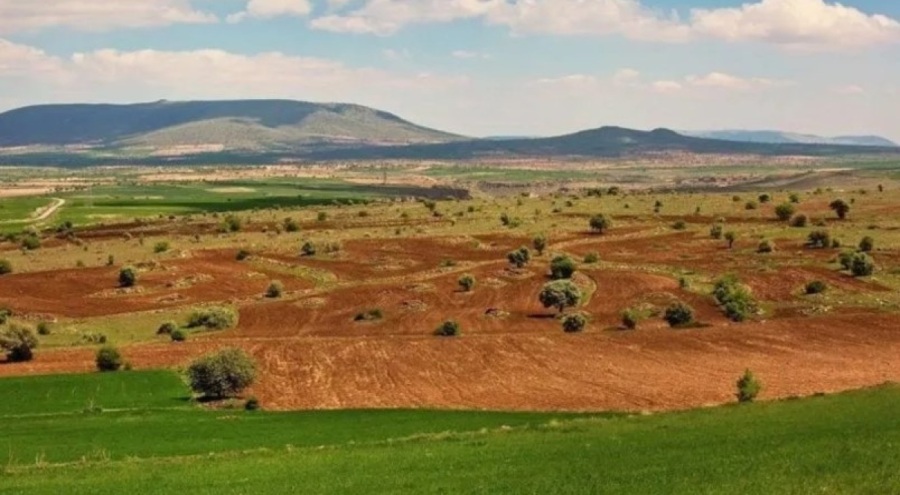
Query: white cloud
column 802, row 24
column 720, row 80
column 266, row 9
column 465, row 54
column 667, row 86
column 626, row 77
column 849, row 89
column 96, row 15
column 572, row 80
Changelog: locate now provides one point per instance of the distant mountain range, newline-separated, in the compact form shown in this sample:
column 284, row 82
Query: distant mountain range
column 261, row 125
column 779, row 137
column 271, row 131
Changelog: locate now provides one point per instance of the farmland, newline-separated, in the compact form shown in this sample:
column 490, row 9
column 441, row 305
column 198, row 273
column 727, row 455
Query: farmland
column 357, row 390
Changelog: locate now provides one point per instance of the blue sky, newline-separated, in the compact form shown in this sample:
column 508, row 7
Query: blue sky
column 477, row 67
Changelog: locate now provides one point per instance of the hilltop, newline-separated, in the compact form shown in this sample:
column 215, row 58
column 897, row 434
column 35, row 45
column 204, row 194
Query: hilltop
column 780, row 137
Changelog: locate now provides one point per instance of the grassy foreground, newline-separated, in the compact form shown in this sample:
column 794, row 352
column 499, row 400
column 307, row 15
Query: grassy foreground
column 848, row 443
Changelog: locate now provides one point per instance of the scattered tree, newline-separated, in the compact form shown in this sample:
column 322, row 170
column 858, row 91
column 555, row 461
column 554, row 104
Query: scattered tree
column 766, row 246
column 223, row 374
column 161, row 247
column 716, row 231
column 735, row 298
column 784, row 211
column 840, row 207
column 794, row 198
column 764, row 198
column 818, row 239
column 308, row 249
column 562, row 267
column 5, row 267
column 213, row 318
column 799, row 221
column 862, row 265
column 290, row 225
column 600, row 223
column 730, row 237
column 748, row 387
column 31, row 242
column 561, row 294
column 520, row 257
column 18, row 342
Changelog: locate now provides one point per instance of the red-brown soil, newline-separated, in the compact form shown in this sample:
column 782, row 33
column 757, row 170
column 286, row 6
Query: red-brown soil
column 513, row 353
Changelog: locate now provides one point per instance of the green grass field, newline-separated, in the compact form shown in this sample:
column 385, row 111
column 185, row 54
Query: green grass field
column 846, row 443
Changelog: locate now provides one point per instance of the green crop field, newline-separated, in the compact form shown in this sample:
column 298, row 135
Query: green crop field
column 162, row 444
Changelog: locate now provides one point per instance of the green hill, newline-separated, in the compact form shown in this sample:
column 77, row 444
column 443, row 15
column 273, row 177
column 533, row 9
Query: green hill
column 259, row 125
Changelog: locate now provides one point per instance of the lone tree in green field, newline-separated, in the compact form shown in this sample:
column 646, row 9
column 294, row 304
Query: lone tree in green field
column 520, row 257
column 600, row 223
column 539, row 243
column 18, row 342
column 127, row 277
column 561, row 294
column 840, row 207
column 222, row 374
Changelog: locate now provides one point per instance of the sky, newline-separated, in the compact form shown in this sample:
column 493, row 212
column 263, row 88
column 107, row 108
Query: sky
column 477, row 67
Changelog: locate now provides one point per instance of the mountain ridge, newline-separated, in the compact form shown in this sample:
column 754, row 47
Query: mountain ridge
column 783, row 137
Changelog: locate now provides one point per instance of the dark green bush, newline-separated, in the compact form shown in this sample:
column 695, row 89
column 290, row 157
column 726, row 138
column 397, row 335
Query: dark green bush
column 816, row 287
column 800, row 221
column 867, row 244
column 766, row 246
column 591, row 258
column 108, row 359
column 167, row 328
column 178, row 335
column 600, row 223
column 520, row 257
column 18, row 342
column 242, row 255
column 735, row 298
column 784, row 211
column 127, row 277
column 561, row 294
column 862, row 265
column 630, row 319
column 275, row 289
column 308, row 249
column 467, row 283
column 574, row 323
column 5, row 267
column 449, row 328
column 819, row 239
column 679, row 315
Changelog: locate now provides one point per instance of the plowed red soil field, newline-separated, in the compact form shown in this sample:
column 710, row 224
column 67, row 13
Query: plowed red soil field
column 512, row 354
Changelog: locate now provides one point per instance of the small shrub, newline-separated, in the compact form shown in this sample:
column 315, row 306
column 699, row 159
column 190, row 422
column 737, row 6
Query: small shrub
column 370, row 315
column 867, row 244
column 449, row 328
column 43, row 328
column 716, row 231
column 31, row 242
column 108, row 359
column 448, row 263
column 308, row 249
column 591, row 258
column 467, row 283
column 539, row 243
column 679, row 315
column 845, row 259
column 816, row 287
column 275, row 289
column 574, row 323
column 679, row 225
column 784, row 211
column 213, row 318
column 766, row 246
column 862, row 265
column 5, row 267
column 178, row 335
column 322, row 216
column 127, row 277
column 242, row 255
column 748, row 387
column 750, row 205
column 799, row 221
column 735, row 298
column 161, row 247
column 223, row 374
column 794, row 198
column 730, row 237
column 764, row 198
column 19, row 343
column 252, row 404
column 562, row 267
column 5, row 313
column 519, row 257
column 630, row 319
column 167, row 328
column 231, row 224
column 818, row 239
column 290, row 225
